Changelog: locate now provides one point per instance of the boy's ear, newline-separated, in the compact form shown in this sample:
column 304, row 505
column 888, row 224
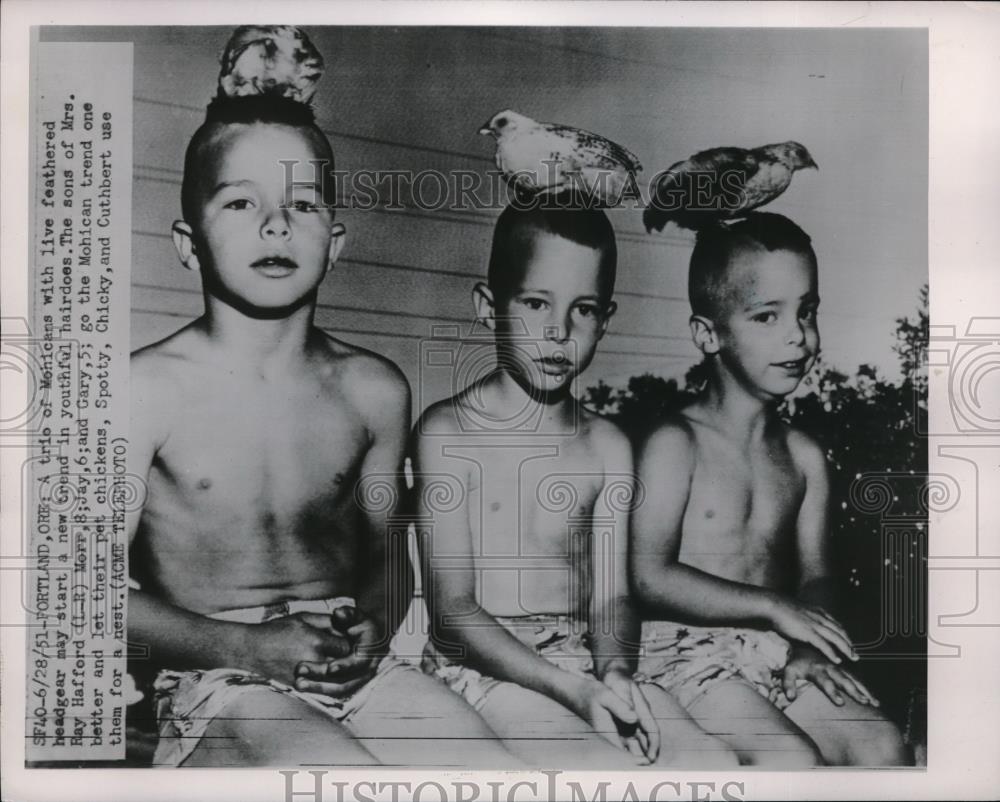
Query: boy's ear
column 183, row 236
column 704, row 334
column 338, row 236
column 482, row 298
column 609, row 312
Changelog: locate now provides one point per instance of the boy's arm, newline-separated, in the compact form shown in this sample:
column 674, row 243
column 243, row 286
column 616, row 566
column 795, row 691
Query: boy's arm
column 385, row 584
column 458, row 625
column 614, row 626
column 816, row 584
column 174, row 637
column 177, row 638
column 386, row 588
column 669, row 588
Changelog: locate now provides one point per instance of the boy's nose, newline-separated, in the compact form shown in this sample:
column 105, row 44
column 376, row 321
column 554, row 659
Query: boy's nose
column 797, row 334
column 557, row 329
column 276, row 225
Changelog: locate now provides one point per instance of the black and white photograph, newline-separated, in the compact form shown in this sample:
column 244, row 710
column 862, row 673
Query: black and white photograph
column 535, row 399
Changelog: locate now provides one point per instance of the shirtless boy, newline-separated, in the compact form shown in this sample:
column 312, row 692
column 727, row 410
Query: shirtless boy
column 263, row 579
column 528, row 595
column 734, row 535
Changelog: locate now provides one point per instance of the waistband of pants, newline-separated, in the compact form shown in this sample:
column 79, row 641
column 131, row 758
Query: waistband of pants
column 268, row 612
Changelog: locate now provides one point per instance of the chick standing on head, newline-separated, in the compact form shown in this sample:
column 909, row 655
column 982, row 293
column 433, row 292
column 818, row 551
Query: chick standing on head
column 546, row 159
column 278, row 60
column 723, row 183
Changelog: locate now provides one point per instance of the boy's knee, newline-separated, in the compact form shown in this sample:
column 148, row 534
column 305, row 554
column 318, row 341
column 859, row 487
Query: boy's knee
column 885, row 748
column 482, row 753
column 718, row 755
column 875, row 742
column 604, row 755
column 792, row 753
column 707, row 752
column 805, row 756
column 273, row 729
column 320, row 746
column 802, row 755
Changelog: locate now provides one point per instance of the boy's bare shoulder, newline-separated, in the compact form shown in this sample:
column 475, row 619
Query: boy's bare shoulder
column 439, row 425
column 163, row 353
column 159, row 377
column 603, row 434
column 374, row 383
column 674, row 436
column 445, row 417
column 157, row 370
column 806, row 452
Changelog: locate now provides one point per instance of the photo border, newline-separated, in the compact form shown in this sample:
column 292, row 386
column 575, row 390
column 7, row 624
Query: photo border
column 963, row 703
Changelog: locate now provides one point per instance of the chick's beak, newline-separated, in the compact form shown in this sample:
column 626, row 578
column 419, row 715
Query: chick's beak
column 811, row 162
column 486, row 129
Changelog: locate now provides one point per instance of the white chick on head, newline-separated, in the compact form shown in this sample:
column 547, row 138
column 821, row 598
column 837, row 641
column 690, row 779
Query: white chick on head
column 546, row 159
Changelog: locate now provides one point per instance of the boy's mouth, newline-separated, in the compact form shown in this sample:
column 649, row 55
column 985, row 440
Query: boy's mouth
column 794, row 366
column 275, row 266
column 553, row 365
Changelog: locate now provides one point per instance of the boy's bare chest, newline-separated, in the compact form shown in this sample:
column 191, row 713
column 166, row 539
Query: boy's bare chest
column 526, row 499
column 741, row 514
column 263, row 446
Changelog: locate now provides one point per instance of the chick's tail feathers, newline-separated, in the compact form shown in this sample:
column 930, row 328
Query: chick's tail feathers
column 656, row 219
column 697, row 194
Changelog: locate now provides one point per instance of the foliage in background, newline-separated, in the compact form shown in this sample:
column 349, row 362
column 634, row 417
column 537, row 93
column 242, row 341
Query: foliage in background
column 871, row 430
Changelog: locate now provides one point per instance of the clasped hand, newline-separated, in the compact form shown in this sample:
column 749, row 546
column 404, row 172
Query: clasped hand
column 342, row 675
column 618, row 711
column 329, row 654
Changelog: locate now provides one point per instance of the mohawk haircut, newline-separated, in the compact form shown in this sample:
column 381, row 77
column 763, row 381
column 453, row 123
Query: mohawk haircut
column 517, row 229
column 717, row 245
column 247, row 110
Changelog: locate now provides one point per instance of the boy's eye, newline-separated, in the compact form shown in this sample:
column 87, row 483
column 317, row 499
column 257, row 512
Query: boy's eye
column 588, row 310
column 808, row 314
column 238, row 205
column 304, row 206
column 764, row 317
column 534, row 304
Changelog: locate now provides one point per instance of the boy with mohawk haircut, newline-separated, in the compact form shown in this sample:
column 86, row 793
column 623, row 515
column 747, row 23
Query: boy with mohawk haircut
column 733, row 541
column 527, row 587
column 264, row 600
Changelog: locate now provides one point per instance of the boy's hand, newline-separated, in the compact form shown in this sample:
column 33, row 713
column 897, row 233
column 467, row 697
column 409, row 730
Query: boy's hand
column 808, row 664
column 343, row 675
column 275, row 648
column 644, row 739
column 606, row 711
column 813, row 626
